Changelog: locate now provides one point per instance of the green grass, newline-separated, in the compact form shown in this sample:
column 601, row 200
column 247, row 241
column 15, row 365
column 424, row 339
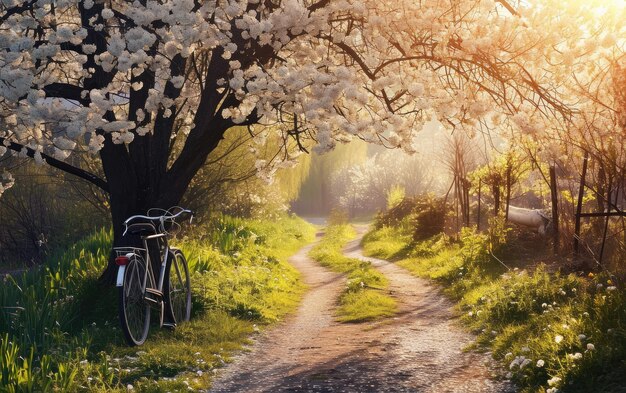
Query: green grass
column 64, row 325
column 539, row 324
column 365, row 296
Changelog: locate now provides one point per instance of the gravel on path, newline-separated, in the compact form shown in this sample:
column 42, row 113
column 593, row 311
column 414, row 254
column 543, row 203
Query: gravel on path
column 418, row 350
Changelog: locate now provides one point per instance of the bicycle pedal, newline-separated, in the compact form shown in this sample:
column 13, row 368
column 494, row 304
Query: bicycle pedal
column 154, row 292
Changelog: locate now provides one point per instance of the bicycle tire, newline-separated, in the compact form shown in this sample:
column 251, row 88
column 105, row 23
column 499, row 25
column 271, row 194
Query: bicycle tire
column 177, row 287
column 134, row 311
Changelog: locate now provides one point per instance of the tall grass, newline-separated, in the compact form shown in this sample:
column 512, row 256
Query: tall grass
column 364, row 297
column 550, row 331
column 58, row 326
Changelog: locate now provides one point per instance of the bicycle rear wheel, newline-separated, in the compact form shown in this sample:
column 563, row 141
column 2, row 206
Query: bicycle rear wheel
column 133, row 309
column 177, row 287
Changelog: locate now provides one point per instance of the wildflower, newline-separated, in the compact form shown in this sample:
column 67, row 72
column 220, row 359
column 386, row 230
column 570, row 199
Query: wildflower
column 544, row 305
column 519, row 361
column 552, row 390
column 591, row 347
column 525, row 349
column 582, row 337
column 611, row 288
column 130, row 387
column 599, row 286
column 585, row 314
column 199, row 373
column 591, row 275
column 575, row 356
column 609, row 282
column 540, row 363
column 553, row 381
column 508, row 355
column 558, row 338
column 471, row 313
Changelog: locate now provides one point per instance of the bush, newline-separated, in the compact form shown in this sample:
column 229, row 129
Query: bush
column 423, row 216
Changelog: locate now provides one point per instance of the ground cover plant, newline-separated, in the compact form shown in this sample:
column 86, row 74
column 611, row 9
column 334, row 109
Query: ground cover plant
column 552, row 331
column 364, row 297
column 59, row 328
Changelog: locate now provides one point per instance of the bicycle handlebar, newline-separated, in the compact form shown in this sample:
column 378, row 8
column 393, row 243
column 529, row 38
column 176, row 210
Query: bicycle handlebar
column 160, row 219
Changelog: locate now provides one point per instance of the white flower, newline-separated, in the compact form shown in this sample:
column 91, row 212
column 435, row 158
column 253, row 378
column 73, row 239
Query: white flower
column 591, row 347
column 553, row 381
column 540, row 363
column 107, row 13
column 558, row 338
column 611, row 288
column 582, row 337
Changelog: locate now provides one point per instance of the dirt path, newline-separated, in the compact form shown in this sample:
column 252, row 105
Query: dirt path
column 419, row 350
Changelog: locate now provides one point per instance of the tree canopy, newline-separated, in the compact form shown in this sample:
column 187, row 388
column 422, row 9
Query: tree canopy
column 152, row 86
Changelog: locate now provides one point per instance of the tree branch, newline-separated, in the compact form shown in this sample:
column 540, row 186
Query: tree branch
column 65, row 167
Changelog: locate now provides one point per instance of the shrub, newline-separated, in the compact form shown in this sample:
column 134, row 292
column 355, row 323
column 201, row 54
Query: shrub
column 395, row 196
column 424, row 216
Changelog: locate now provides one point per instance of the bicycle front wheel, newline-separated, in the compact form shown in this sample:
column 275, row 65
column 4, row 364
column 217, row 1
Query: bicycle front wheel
column 177, row 288
column 133, row 309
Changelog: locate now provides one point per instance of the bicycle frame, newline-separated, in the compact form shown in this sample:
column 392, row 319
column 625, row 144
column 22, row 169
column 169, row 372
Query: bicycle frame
column 141, row 252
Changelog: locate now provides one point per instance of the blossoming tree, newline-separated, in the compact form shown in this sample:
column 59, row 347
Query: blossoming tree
column 150, row 87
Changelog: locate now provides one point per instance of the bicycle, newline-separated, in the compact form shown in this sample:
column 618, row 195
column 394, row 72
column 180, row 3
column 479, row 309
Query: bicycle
column 139, row 289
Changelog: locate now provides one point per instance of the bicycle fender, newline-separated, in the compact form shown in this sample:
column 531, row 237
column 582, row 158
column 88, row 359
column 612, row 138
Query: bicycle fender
column 120, row 276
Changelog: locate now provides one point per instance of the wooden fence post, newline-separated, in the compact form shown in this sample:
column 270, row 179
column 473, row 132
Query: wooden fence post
column 480, row 187
column 555, row 209
column 579, row 206
column 508, row 191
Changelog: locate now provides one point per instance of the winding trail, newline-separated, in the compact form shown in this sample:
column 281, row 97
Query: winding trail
column 418, row 350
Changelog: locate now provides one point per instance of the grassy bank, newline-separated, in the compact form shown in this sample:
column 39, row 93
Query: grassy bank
column 551, row 331
column 59, row 328
column 364, row 297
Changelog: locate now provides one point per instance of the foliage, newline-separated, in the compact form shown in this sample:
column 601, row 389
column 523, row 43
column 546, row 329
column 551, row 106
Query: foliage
column 316, row 193
column 363, row 298
column 245, row 178
column 549, row 330
column 364, row 187
column 337, row 217
column 42, row 212
column 59, row 327
column 395, row 195
column 424, row 216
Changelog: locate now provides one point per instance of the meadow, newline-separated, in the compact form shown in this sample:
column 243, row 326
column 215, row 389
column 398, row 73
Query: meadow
column 59, row 328
column 550, row 329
